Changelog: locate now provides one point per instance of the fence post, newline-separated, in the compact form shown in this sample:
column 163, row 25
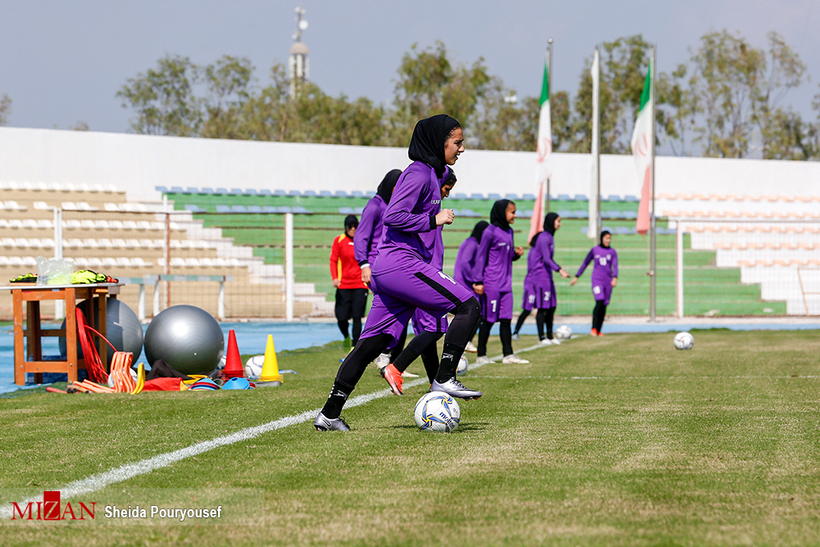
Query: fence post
column 59, row 305
column 141, row 304
column 167, row 257
column 679, row 268
column 221, row 303
column 289, row 266
column 156, row 296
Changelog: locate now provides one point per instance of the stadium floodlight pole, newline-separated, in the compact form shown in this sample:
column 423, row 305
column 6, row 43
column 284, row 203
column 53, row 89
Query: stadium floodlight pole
column 653, row 238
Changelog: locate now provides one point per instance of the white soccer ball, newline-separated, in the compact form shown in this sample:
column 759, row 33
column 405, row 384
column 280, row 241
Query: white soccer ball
column 253, row 366
column 462, row 365
column 684, row 340
column 437, row 411
column 563, row 332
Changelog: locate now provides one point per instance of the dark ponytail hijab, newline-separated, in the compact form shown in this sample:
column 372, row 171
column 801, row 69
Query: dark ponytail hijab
column 478, row 229
column 549, row 227
column 605, row 232
column 498, row 214
column 427, row 143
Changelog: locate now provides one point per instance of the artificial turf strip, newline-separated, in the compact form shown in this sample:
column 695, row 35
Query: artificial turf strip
column 620, row 440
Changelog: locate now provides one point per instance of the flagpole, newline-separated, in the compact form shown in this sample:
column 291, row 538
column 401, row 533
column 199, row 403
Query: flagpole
column 549, row 75
column 595, row 199
column 653, row 238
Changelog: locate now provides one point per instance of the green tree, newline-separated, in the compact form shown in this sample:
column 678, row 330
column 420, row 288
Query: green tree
column 227, row 81
column 429, row 84
column 734, row 95
column 163, row 98
column 5, row 109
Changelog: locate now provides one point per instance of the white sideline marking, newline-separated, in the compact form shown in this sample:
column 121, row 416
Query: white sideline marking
column 130, row 470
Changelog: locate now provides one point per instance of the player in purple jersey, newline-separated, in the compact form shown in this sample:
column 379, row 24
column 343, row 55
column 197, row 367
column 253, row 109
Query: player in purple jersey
column 604, row 278
column 402, row 278
column 539, row 288
column 427, row 327
column 367, row 240
column 465, row 264
column 493, row 268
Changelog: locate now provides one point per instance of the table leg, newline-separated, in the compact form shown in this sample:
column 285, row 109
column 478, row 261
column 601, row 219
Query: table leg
column 102, row 308
column 19, row 341
column 34, row 346
column 71, row 334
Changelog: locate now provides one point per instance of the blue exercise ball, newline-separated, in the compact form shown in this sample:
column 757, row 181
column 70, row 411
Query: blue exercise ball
column 187, row 338
column 122, row 328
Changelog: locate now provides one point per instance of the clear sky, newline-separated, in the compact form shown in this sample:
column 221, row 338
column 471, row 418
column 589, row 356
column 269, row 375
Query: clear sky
column 62, row 62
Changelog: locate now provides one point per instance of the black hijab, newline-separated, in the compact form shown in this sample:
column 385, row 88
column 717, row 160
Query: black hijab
column 498, row 214
column 427, row 144
column 351, row 222
column 478, row 229
column 549, row 223
column 388, row 183
column 605, row 232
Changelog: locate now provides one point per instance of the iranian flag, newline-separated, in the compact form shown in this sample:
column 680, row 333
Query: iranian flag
column 544, row 151
column 643, row 149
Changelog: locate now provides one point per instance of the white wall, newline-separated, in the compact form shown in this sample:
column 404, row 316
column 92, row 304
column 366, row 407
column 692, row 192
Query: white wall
column 139, row 163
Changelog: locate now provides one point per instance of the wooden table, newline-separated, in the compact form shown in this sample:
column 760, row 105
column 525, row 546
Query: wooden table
column 28, row 341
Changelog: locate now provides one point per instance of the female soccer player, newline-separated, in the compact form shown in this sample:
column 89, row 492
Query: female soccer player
column 367, row 240
column 465, row 264
column 402, row 278
column 351, row 293
column 539, row 288
column 428, row 328
column 493, row 268
column 604, row 278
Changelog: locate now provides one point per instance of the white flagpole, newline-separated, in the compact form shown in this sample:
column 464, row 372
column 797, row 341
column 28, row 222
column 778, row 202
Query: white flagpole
column 595, row 195
column 653, row 238
column 549, row 75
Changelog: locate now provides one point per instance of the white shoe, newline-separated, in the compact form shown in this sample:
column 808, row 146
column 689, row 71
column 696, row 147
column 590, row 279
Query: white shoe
column 382, row 360
column 555, row 342
column 513, row 359
column 545, row 342
column 483, row 360
column 471, row 348
column 516, row 337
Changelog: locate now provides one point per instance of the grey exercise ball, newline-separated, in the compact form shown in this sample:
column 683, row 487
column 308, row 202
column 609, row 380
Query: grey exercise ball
column 187, row 338
column 122, row 326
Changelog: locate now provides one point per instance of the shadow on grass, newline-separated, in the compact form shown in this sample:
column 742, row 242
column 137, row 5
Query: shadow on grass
column 469, row 426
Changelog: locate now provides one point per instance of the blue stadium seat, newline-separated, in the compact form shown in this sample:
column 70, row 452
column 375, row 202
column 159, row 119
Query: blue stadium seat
column 206, row 190
column 310, row 193
column 564, row 197
column 345, row 210
column 254, row 209
column 300, row 209
column 236, row 191
column 528, row 197
column 494, row 197
column 585, row 230
column 356, row 210
column 460, row 196
column 476, row 196
column 283, row 209
column 221, row 191
column 192, row 190
column 622, row 230
column 580, row 213
column 581, row 197
column 177, row 190
column 565, row 213
column 357, row 194
column 511, row 197
column 325, row 194
column 279, row 193
column 611, row 214
column 526, row 213
column 295, row 193
column 629, row 214
column 161, row 189
column 239, row 209
column 631, row 199
column 340, row 194
column 193, row 208
column 269, row 209
column 612, row 197
column 265, row 192
column 223, row 209
column 251, row 192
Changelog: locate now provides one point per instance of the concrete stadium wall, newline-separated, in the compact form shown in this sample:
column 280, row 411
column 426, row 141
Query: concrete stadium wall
column 139, row 163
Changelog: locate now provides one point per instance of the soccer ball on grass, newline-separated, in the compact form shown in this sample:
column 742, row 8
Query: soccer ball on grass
column 684, row 340
column 563, row 332
column 436, row 411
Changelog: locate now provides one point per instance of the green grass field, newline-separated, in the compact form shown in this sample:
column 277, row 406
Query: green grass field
column 620, row 440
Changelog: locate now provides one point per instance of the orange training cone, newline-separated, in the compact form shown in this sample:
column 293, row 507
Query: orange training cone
column 233, row 362
column 270, row 369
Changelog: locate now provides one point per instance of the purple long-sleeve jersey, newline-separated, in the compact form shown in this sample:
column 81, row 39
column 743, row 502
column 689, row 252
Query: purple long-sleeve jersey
column 410, row 217
column 540, row 263
column 605, row 266
column 493, row 263
column 369, row 234
column 465, row 262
